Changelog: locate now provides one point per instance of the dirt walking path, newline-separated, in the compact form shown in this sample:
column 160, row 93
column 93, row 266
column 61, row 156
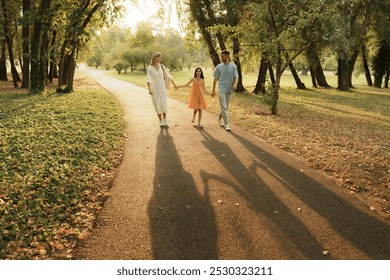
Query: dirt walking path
column 187, row 193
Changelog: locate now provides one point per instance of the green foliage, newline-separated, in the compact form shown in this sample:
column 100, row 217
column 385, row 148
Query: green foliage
column 116, row 46
column 54, row 150
column 269, row 97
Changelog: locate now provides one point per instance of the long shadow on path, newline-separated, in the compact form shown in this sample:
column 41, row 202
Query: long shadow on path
column 290, row 232
column 182, row 221
column 365, row 232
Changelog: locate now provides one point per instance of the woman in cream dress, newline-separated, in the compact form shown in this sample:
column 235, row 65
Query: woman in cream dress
column 158, row 78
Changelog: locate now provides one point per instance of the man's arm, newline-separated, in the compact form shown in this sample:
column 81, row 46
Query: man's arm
column 235, row 83
column 235, row 78
column 214, row 86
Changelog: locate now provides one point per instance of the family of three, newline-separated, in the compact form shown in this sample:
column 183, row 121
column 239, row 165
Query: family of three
column 225, row 75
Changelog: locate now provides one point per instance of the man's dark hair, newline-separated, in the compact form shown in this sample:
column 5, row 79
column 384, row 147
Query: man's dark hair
column 226, row 52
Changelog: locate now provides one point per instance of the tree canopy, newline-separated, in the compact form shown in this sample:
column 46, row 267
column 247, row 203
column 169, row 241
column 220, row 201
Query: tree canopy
column 46, row 38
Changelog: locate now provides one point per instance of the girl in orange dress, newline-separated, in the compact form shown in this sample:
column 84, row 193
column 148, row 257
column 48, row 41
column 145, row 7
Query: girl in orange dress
column 196, row 99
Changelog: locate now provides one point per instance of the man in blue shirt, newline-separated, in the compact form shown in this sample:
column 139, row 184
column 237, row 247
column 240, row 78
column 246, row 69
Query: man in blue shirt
column 226, row 75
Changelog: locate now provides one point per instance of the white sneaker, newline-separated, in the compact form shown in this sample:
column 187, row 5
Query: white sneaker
column 166, row 123
column 227, row 127
column 162, row 124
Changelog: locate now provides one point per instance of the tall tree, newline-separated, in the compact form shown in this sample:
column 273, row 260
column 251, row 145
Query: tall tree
column 3, row 61
column 276, row 27
column 41, row 26
column 233, row 10
column 79, row 17
column 381, row 28
column 198, row 13
column 218, row 19
column 26, row 43
column 366, row 66
column 360, row 20
column 7, row 33
column 351, row 22
column 381, row 64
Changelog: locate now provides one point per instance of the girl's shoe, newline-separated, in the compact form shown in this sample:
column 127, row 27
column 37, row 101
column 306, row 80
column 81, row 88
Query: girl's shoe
column 166, row 124
column 193, row 119
column 162, row 124
column 200, row 125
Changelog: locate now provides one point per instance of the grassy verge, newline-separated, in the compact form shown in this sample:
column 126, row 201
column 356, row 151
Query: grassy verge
column 342, row 134
column 56, row 155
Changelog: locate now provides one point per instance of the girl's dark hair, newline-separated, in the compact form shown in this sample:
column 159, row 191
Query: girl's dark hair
column 201, row 74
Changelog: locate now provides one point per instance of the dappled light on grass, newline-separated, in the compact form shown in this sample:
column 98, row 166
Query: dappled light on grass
column 56, row 153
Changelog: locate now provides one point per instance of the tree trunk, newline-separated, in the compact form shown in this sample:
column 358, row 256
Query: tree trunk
column 262, row 76
column 69, row 70
column 319, row 72
column 298, row 81
column 351, row 66
column 236, row 57
column 52, row 66
column 66, row 73
column 274, row 107
column 67, row 64
column 61, row 64
column 26, row 44
column 3, row 62
column 387, row 79
column 213, row 21
column 365, row 66
column 316, row 71
column 38, row 78
column 10, row 46
column 43, row 61
column 197, row 14
column 271, row 74
column 378, row 77
column 342, row 75
column 313, row 75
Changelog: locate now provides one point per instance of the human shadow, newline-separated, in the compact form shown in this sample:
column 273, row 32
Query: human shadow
column 182, row 221
column 365, row 232
column 290, row 232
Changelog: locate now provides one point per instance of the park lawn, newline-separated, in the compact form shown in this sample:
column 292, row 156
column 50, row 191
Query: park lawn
column 57, row 156
column 58, row 152
column 342, row 134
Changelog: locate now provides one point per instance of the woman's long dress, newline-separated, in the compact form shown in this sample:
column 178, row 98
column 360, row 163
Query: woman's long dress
column 156, row 80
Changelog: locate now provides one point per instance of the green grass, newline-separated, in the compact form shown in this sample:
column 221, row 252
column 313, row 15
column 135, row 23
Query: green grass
column 54, row 150
column 362, row 100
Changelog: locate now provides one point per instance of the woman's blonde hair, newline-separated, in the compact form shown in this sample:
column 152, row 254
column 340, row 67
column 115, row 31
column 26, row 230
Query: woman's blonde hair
column 154, row 56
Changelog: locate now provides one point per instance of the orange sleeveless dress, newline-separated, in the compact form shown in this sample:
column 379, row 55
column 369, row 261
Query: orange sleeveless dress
column 196, row 99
